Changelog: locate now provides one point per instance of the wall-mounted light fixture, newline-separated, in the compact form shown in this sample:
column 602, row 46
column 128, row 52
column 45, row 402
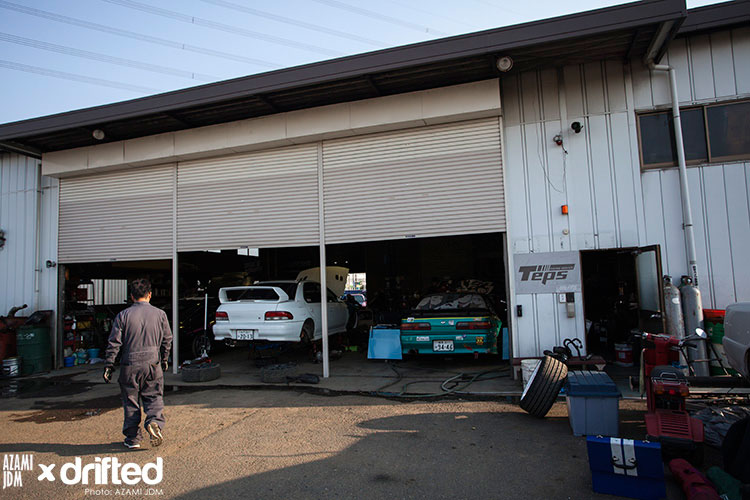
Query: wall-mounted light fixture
column 504, row 63
column 98, row 134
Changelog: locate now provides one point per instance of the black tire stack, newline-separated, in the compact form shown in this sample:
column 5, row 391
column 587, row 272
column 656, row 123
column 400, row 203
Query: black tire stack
column 544, row 386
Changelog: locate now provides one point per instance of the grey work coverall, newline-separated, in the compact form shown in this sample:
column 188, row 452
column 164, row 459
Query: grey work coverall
column 143, row 335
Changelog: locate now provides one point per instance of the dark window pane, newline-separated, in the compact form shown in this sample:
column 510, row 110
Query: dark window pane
column 729, row 129
column 657, row 137
column 694, row 134
column 311, row 292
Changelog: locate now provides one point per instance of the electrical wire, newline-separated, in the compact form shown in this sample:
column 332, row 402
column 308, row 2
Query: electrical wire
column 76, row 78
column 133, row 35
column 381, row 17
column 294, row 22
column 472, row 27
column 458, row 383
column 206, row 23
column 95, row 56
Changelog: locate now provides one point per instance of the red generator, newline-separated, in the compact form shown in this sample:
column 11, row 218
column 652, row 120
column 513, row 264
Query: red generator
column 667, row 421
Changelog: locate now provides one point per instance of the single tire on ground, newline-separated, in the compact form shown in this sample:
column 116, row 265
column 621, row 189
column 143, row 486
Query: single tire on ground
column 544, row 386
column 202, row 372
column 277, row 374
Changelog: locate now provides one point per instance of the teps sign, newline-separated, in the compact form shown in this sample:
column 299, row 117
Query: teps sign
column 553, row 272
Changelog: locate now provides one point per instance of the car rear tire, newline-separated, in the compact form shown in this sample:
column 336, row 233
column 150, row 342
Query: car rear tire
column 199, row 343
column 306, row 335
column 543, row 387
column 202, row 372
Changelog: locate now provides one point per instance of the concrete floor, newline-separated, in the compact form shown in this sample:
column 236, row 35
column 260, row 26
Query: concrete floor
column 352, row 373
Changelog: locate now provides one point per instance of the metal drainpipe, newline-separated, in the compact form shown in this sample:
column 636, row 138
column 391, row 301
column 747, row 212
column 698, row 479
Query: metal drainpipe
column 37, row 240
column 699, row 352
column 687, row 214
column 323, row 274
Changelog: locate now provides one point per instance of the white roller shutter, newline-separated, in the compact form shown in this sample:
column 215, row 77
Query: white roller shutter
column 259, row 199
column 432, row 181
column 123, row 215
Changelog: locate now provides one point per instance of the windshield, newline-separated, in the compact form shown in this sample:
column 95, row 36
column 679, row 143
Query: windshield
column 452, row 301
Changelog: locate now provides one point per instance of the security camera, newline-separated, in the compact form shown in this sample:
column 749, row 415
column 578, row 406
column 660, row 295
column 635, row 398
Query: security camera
column 576, row 126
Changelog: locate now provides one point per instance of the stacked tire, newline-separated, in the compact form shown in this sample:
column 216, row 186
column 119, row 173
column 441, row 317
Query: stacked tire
column 544, row 386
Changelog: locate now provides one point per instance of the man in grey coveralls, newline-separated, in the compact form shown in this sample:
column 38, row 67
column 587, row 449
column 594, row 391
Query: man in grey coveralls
column 142, row 333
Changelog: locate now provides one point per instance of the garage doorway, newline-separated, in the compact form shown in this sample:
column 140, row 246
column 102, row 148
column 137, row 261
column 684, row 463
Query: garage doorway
column 622, row 295
column 92, row 294
column 398, row 272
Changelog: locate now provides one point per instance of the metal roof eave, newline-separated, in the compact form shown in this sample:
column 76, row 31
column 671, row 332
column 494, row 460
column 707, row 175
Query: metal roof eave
column 560, row 29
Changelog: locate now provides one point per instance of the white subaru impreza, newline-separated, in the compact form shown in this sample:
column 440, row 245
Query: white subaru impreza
column 277, row 311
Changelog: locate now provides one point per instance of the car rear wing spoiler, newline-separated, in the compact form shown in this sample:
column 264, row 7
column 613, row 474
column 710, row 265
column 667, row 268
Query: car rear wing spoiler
column 223, row 298
column 449, row 312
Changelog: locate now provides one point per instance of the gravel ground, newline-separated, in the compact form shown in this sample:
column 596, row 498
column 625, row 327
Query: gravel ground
column 287, row 444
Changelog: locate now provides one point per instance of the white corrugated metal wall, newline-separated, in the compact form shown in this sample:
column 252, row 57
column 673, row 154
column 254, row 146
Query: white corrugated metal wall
column 598, row 178
column 711, row 68
column 19, row 212
column 611, row 204
column 18, row 215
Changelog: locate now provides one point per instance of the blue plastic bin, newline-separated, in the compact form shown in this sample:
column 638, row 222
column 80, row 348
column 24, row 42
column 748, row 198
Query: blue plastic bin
column 593, row 404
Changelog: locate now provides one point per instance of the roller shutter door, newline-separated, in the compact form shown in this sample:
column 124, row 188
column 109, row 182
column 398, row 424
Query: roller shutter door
column 431, row 181
column 259, row 199
column 124, row 215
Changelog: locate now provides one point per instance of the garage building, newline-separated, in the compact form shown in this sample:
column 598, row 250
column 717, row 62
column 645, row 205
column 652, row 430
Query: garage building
column 438, row 154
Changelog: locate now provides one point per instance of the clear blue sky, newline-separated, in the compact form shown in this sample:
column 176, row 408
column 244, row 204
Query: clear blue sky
column 60, row 55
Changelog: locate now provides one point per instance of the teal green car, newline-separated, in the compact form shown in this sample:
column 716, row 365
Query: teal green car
column 452, row 323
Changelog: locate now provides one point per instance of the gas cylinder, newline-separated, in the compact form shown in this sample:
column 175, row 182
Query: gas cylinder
column 692, row 308
column 673, row 309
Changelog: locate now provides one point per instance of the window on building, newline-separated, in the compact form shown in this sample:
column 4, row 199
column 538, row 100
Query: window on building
column 712, row 133
column 729, row 130
column 657, row 138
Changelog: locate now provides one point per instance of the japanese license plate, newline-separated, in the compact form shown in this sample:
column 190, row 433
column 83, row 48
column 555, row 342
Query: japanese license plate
column 442, row 345
column 245, row 334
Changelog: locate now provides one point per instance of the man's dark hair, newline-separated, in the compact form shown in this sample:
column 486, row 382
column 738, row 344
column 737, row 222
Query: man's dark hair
column 140, row 288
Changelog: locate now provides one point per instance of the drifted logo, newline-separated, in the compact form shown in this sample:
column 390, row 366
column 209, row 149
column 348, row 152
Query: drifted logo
column 104, row 471
column 545, row 273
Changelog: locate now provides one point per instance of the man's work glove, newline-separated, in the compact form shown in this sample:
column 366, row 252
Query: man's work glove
column 165, row 366
column 107, row 375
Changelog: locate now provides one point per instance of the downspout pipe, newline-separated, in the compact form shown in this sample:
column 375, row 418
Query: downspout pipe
column 692, row 304
column 687, row 214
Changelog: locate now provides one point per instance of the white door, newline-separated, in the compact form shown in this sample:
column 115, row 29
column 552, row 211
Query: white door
column 260, row 199
column 311, row 295
column 338, row 314
column 439, row 180
column 117, row 216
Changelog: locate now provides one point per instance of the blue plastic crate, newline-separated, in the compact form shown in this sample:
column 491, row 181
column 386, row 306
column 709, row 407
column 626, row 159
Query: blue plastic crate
column 593, row 404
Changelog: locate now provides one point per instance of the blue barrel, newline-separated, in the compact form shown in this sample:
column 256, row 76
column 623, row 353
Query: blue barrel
column 32, row 344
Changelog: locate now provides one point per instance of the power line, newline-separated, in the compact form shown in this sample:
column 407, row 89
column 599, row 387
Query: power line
column 294, row 22
column 94, row 56
column 198, row 21
column 472, row 27
column 76, row 78
column 375, row 15
column 132, row 35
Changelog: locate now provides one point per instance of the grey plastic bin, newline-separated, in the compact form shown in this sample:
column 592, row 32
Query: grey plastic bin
column 593, row 404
